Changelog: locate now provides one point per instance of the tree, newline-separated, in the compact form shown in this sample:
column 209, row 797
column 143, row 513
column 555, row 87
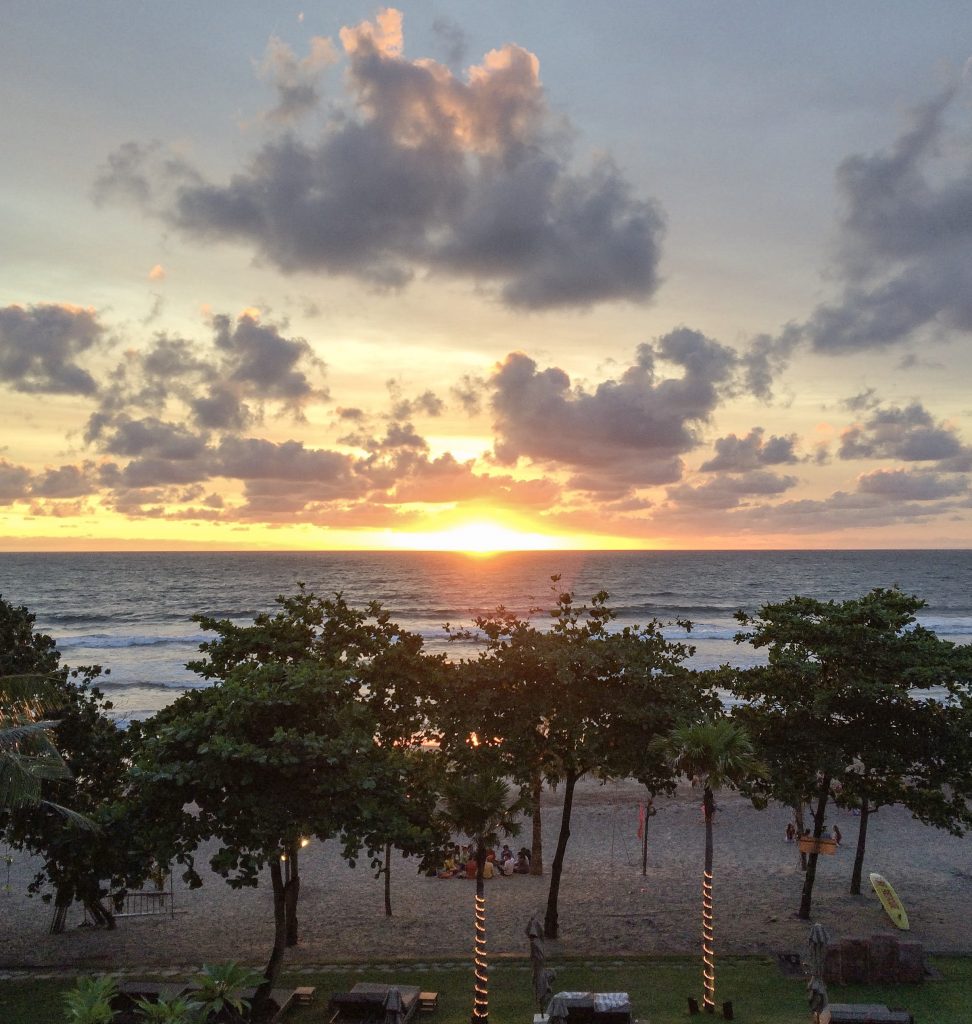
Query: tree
column 29, row 667
column 562, row 702
column 479, row 805
column 843, row 706
column 282, row 747
column 85, row 864
column 712, row 754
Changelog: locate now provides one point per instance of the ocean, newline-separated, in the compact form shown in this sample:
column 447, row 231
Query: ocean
column 131, row 612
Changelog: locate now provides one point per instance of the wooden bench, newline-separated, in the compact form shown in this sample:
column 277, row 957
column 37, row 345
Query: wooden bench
column 428, row 1002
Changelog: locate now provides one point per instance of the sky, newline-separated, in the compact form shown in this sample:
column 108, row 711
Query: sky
column 442, row 275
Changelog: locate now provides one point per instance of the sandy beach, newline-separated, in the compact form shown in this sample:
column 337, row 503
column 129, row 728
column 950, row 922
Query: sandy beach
column 606, row 905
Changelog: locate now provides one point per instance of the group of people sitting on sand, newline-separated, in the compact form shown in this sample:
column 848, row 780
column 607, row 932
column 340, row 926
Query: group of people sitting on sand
column 462, row 863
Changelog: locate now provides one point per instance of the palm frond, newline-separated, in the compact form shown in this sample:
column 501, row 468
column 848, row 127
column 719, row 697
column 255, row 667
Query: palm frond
column 13, row 732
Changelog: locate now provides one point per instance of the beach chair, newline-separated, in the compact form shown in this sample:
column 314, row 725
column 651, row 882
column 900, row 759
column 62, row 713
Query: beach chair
column 365, row 1003
column 356, row 1008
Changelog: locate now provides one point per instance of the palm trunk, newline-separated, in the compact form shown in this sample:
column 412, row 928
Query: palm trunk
column 550, row 921
column 261, row 998
column 387, row 873
column 818, row 824
column 480, row 1013
column 855, row 886
column 536, row 842
column 708, row 938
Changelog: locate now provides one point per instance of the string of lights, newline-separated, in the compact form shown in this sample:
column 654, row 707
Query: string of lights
column 708, row 945
column 481, row 998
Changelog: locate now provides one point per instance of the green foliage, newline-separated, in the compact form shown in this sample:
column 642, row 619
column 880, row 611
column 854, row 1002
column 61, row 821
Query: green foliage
column 86, row 865
column 89, row 1002
column 842, row 706
column 574, row 698
column 480, row 806
column 714, row 754
column 219, row 989
column 167, row 1011
column 28, row 668
column 292, row 740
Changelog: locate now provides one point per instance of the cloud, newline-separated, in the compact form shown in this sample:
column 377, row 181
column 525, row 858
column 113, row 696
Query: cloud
column 911, row 485
column 256, row 459
column 146, row 436
column 224, row 385
column 452, row 39
column 909, row 434
column 40, row 345
column 445, row 480
column 264, row 363
column 67, row 481
column 906, row 241
column 465, row 177
column 469, row 393
column 730, row 491
column 14, row 482
column 626, row 432
column 738, row 455
column 296, row 81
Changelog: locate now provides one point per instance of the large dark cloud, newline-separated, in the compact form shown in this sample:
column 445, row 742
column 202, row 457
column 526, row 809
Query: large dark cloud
column 626, row 432
column 40, row 346
column 906, row 256
column 464, row 177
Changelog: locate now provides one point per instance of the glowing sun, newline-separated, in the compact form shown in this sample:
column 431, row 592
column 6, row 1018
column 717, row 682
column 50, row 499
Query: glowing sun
column 481, row 537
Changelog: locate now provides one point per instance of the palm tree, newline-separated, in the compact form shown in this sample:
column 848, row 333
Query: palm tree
column 27, row 752
column 713, row 755
column 479, row 806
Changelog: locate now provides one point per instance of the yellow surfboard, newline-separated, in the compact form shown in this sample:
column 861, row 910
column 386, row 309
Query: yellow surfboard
column 889, row 900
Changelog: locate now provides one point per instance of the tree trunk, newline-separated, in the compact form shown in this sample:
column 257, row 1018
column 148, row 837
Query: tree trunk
column 102, row 916
column 260, row 1008
column 291, row 892
column 708, row 939
column 798, row 821
column 387, row 873
column 536, row 843
column 818, row 824
column 550, row 922
column 480, row 1012
column 62, row 904
column 649, row 811
column 855, row 886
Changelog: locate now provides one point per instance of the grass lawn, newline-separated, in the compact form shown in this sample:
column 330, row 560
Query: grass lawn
column 658, row 987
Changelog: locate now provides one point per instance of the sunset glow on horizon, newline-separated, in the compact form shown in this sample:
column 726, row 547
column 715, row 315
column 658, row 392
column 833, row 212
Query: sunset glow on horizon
column 434, row 277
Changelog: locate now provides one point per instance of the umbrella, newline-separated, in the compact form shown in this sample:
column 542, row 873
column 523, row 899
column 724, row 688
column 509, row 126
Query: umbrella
column 816, row 989
column 394, row 1013
column 542, row 978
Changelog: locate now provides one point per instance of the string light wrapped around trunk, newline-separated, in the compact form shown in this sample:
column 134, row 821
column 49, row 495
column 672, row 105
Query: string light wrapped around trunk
column 708, row 945
column 481, row 1001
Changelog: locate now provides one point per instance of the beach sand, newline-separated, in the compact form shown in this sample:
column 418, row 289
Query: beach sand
column 606, row 905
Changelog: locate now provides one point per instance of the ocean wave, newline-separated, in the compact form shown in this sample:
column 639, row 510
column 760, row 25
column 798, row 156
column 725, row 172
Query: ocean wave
column 105, row 641
column 109, row 685
column 950, row 626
